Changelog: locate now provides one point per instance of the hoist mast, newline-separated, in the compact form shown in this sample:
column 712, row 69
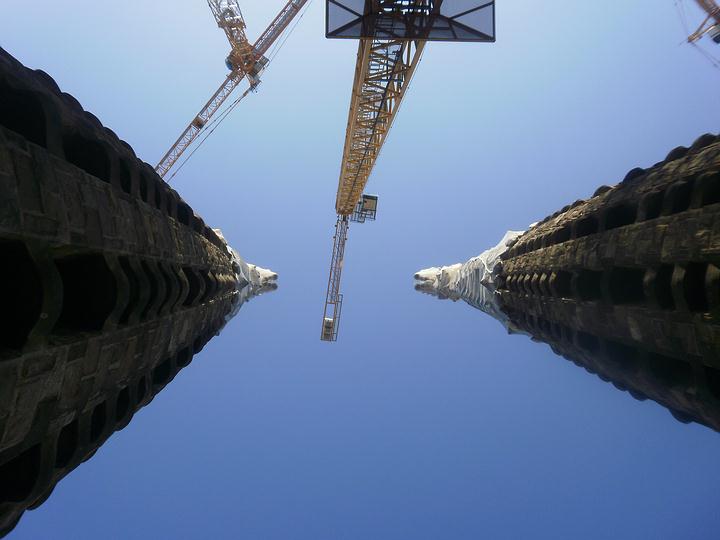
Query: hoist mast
column 244, row 61
column 333, row 298
column 392, row 36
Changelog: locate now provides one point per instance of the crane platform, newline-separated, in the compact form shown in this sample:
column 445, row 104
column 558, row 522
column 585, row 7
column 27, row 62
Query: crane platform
column 429, row 20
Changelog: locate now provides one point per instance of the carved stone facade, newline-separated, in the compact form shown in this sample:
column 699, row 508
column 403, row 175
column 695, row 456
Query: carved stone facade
column 109, row 285
column 627, row 283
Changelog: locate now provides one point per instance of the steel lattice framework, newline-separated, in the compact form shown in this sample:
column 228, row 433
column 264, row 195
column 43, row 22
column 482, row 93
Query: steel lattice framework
column 382, row 75
column 333, row 298
column 392, row 35
column 245, row 60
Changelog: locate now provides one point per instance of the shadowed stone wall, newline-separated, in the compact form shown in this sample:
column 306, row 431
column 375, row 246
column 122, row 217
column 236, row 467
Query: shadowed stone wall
column 110, row 283
column 627, row 283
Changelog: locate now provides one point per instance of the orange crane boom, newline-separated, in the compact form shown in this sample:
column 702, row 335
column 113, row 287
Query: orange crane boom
column 244, row 61
column 392, row 37
column 383, row 73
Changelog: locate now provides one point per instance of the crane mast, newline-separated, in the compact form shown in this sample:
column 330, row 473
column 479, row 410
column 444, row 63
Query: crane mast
column 392, row 36
column 244, row 61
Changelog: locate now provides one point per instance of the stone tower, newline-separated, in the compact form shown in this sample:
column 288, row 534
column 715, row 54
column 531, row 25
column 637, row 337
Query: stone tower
column 625, row 284
column 110, row 283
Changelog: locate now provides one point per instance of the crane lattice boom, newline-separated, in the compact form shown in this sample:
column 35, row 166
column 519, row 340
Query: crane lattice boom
column 245, row 60
column 392, row 37
column 191, row 132
column 382, row 75
column 278, row 26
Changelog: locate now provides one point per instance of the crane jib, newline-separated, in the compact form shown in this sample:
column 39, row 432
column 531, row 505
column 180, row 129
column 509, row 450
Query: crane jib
column 392, row 36
column 245, row 60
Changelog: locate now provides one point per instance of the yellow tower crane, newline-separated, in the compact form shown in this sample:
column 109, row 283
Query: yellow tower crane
column 711, row 24
column 244, row 61
column 392, row 36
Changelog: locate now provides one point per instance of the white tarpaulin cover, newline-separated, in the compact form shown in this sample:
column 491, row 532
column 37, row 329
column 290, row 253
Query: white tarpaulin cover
column 473, row 281
column 251, row 280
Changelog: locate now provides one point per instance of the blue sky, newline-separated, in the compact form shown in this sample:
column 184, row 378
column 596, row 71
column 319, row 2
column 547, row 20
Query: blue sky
column 425, row 420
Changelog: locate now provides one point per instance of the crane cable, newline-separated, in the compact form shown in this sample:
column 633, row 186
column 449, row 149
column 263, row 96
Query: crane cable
column 276, row 48
column 215, row 122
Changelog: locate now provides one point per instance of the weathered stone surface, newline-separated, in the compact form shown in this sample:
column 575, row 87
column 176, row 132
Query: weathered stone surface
column 109, row 283
column 633, row 282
